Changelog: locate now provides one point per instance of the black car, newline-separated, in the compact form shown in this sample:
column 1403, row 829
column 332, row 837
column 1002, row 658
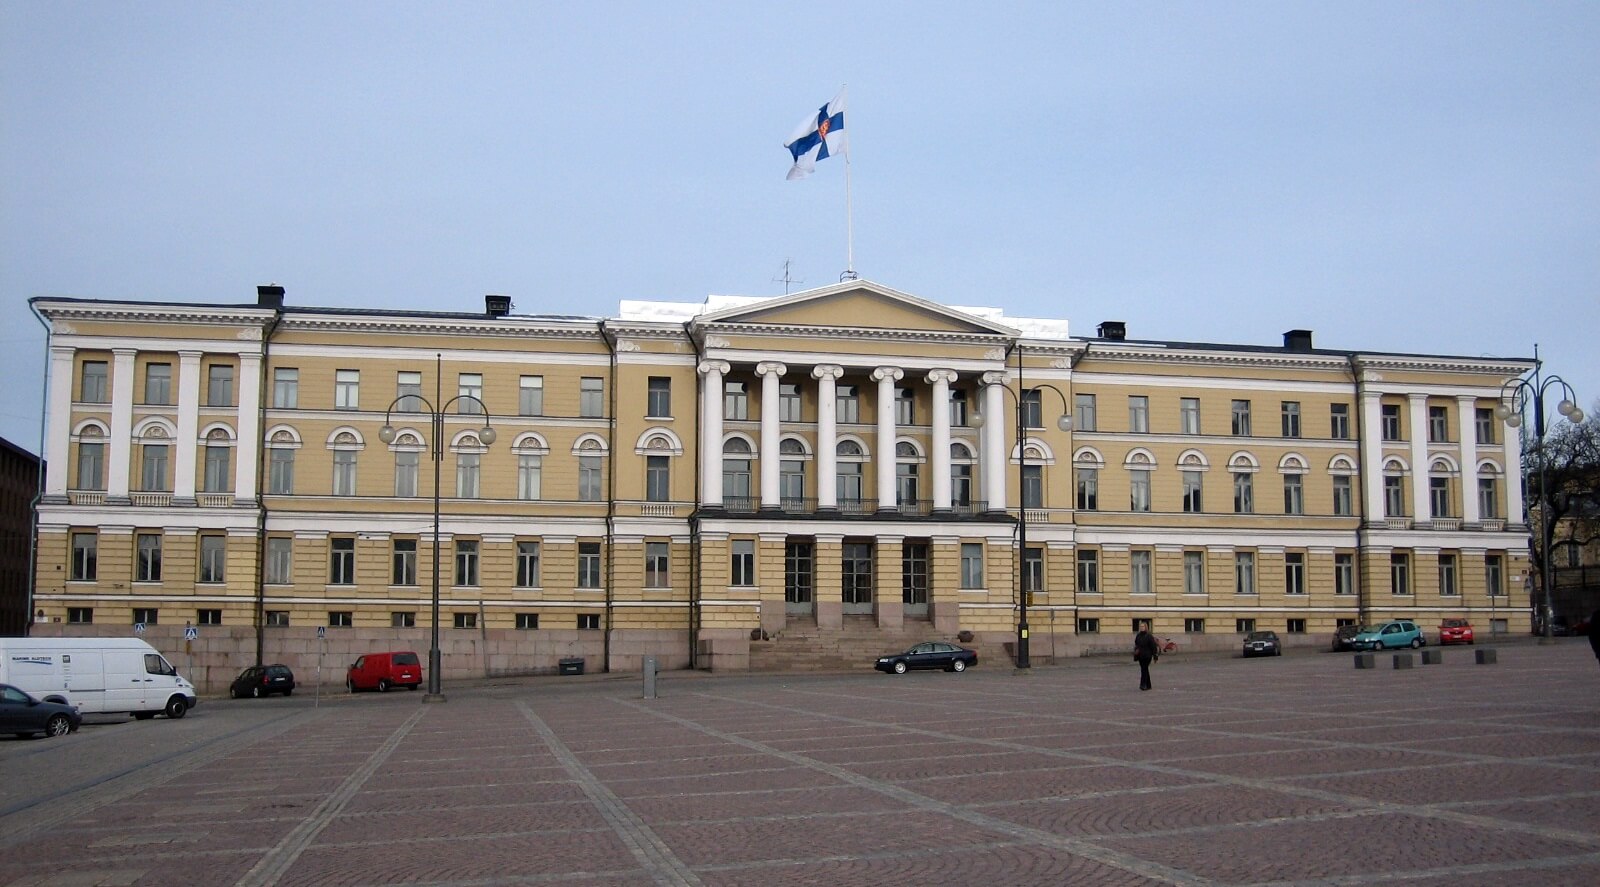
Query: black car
column 1262, row 643
column 262, row 680
column 1343, row 636
column 933, row 654
column 24, row 715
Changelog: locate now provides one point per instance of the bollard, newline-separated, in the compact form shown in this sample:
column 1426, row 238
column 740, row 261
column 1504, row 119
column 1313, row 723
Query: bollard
column 1364, row 660
column 649, row 677
column 1486, row 657
column 1432, row 657
column 1403, row 660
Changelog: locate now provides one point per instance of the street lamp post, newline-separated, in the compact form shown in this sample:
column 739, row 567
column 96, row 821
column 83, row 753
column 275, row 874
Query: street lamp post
column 486, row 435
column 1064, row 423
column 1515, row 398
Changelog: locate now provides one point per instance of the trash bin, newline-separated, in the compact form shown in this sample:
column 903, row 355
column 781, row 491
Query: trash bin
column 571, row 666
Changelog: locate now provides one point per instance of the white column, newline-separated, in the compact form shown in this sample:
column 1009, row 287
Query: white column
column 886, row 377
column 183, row 459
column 941, row 379
column 994, row 441
column 711, row 432
column 827, row 435
column 1421, row 505
column 1511, row 448
column 119, row 459
column 1466, row 421
column 1372, row 455
column 58, row 436
column 249, row 445
column 770, row 372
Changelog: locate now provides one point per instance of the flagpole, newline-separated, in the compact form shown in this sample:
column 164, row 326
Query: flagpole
column 849, row 212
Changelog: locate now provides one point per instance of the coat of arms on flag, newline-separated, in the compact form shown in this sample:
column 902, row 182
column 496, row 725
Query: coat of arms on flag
column 819, row 136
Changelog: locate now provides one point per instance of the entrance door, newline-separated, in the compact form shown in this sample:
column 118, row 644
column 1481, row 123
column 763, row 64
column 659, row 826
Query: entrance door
column 799, row 578
column 856, row 578
column 914, row 578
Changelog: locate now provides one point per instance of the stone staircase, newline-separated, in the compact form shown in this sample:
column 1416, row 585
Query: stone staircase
column 801, row 646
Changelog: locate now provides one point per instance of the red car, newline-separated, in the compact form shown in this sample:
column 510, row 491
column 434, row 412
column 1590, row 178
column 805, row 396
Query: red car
column 381, row 671
column 1455, row 631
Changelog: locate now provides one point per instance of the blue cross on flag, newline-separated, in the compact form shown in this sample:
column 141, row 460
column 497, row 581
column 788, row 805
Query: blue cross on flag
column 818, row 137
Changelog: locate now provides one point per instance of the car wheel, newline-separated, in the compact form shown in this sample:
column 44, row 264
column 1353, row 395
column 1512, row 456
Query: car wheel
column 288, row 692
column 1416, row 643
column 958, row 665
column 233, row 692
column 176, row 708
column 349, row 685
column 900, row 667
column 255, row 693
column 58, row 725
column 383, row 685
column 413, row 687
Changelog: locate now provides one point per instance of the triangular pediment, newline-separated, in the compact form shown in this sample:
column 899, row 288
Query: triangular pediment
column 856, row 304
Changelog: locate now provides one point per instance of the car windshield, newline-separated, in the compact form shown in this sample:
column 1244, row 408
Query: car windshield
column 1258, row 636
column 405, row 659
column 1454, row 623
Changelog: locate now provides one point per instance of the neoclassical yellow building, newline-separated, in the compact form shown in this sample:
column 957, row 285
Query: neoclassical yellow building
column 749, row 482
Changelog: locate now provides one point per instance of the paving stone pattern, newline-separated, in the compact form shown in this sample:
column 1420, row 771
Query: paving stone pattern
column 1290, row 770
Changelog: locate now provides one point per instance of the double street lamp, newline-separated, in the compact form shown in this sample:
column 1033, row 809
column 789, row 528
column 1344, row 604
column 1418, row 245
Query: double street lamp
column 1516, row 396
column 387, row 434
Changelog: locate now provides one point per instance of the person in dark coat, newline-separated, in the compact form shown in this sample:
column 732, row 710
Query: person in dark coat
column 1594, row 632
column 1146, row 651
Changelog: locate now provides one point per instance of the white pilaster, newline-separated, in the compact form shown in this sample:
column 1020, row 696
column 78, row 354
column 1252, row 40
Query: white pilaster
column 940, row 461
column 886, row 377
column 1511, row 448
column 711, row 437
column 770, row 372
column 1421, row 505
column 58, row 434
column 119, row 460
column 827, row 434
column 1372, row 455
column 994, row 437
column 1466, row 421
column 183, row 458
column 247, row 451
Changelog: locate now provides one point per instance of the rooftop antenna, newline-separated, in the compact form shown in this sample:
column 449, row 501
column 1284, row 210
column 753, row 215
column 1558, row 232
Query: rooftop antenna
column 787, row 278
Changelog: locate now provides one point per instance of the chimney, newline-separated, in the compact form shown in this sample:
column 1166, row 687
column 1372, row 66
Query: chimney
column 1115, row 330
column 1297, row 340
column 269, row 296
column 497, row 306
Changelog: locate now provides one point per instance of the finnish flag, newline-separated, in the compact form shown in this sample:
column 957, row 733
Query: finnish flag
column 818, row 137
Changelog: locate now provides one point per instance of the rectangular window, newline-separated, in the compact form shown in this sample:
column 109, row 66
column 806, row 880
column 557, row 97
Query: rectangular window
column 798, row 572
column 469, row 394
column 1494, row 575
column 1244, row 493
column 280, row 560
column 588, row 565
column 153, row 468
column 527, row 621
column 1390, row 413
column 971, row 565
column 286, row 388
column 1244, row 572
column 904, row 407
column 1244, row 626
column 1189, row 415
column 1399, row 572
column 1088, row 489
column 735, row 401
column 788, row 402
column 408, row 392
column 148, row 566
column 1139, row 490
column 958, row 407
column 217, row 475
column 847, row 404
column 1291, row 418
column 1083, row 412
column 1339, row 421
column 1194, row 572
column 1488, row 498
column 1394, row 499
column 527, row 564
column 404, row 559
column 1439, row 496
column 530, row 396
column 406, row 463
column 1033, row 569
column 743, row 566
column 529, row 476
column 466, row 562
column 1294, row 494
column 1032, row 408
column 1088, row 625
column 1438, row 424
column 347, row 389
column 589, row 478
column 1341, row 495
column 85, row 557
column 1088, row 561
column 340, row 619
column 1344, row 573
column 213, row 558
column 403, row 619
column 465, row 620
column 277, row 618
column 158, row 383
column 588, row 621
column 1241, row 418
column 657, row 479
column 1192, row 481
column 342, row 561
column 1139, row 414
column 1194, row 625
column 219, row 385
column 468, row 471
column 208, row 617
column 91, row 466
column 80, row 615
column 280, row 471
column 1032, row 486
column 1294, row 572
column 1447, row 575
column 905, row 484
column 657, row 565
column 344, row 473
column 1483, row 424
column 92, row 384
column 146, row 615
column 591, row 397
column 658, row 397
column 1139, row 572
column 1295, row 626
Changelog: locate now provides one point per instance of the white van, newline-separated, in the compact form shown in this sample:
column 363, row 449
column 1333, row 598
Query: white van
column 97, row 675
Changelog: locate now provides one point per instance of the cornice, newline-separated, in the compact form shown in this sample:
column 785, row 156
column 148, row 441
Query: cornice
column 814, row 331
column 495, row 328
column 1099, row 350
column 1508, row 366
column 58, row 312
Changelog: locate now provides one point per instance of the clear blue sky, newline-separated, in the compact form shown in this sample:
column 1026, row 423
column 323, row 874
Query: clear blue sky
column 1395, row 176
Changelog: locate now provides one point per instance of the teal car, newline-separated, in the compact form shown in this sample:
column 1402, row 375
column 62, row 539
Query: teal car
column 1389, row 636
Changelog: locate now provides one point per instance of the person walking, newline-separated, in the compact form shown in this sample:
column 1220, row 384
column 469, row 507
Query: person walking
column 1594, row 633
column 1145, row 650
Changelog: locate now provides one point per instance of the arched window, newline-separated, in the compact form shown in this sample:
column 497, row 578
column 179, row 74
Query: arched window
column 851, row 458
column 736, row 456
column 792, row 458
column 906, row 459
column 961, row 462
